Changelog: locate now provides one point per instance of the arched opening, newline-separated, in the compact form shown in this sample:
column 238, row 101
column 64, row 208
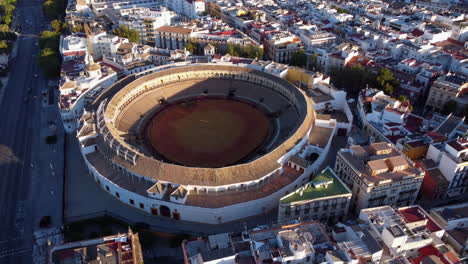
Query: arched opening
column 176, row 215
column 154, row 211
column 165, row 211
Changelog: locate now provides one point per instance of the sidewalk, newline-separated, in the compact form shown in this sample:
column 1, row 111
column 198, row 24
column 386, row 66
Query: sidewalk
column 5, row 79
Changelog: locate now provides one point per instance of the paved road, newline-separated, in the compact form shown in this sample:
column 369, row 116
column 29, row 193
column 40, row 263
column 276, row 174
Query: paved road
column 17, row 131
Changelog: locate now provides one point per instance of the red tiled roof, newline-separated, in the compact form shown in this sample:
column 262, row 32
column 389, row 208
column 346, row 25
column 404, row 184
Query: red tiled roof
column 412, row 214
column 392, row 124
column 434, row 135
column 394, row 139
column 417, row 33
column 429, row 251
column 457, row 146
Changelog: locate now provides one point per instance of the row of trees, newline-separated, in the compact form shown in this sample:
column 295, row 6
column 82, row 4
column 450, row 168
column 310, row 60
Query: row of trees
column 247, row 51
column 49, row 42
column 353, row 79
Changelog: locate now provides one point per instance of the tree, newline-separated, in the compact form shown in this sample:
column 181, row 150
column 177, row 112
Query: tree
column 387, row 82
column 4, row 28
column 50, row 9
column 299, row 58
column 49, row 61
column 77, row 28
column 193, row 47
column 352, row 79
column 3, row 45
column 449, row 107
column 252, row 51
column 49, row 39
column 313, row 63
column 248, row 51
column 125, row 32
column 57, row 25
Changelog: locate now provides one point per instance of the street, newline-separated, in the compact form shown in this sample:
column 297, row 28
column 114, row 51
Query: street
column 18, row 131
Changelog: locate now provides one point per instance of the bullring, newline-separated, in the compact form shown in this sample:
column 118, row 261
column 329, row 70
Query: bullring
column 125, row 161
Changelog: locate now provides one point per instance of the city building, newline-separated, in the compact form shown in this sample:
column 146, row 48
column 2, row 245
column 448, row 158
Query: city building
column 451, row 87
column 408, row 232
column 354, row 243
column 172, row 38
column 146, row 21
column 452, row 161
column 378, row 175
column 118, row 249
column 325, row 198
column 454, row 220
column 189, row 8
column 280, row 47
column 305, row 242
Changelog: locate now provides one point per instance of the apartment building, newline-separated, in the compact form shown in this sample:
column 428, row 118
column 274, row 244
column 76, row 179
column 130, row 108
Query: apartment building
column 105, row 45
column 451, row 87
column 118, row 249
column 451, row 158
column 354, row 243
column 407, row 231
column 189, row 8
column 325, row 198
column 147, row 20
column 454, row 219
column 305, row 242
column 172, row 38
column 281, row 46
column 378, row 175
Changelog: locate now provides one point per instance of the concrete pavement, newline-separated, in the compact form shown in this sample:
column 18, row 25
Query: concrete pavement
column 18, row 139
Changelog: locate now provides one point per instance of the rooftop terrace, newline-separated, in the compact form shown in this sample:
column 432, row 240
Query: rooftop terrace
column 325, row 184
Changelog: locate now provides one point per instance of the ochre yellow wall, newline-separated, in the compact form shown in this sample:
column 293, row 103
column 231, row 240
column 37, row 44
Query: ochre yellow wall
column 296, row 74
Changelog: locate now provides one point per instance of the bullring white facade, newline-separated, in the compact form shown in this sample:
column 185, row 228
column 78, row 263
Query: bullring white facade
column 111, row 145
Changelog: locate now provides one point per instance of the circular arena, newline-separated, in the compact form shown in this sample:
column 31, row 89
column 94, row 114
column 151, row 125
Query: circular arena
column 207, row 143
column 208, row 132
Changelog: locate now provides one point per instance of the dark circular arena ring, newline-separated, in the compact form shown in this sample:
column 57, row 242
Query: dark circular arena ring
column 208, row 132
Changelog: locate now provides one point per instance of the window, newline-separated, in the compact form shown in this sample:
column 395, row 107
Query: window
column 142, row 206
column 288, row 211
column 132, row 202
column 117, row 194
column 297, row 211
column 107, row 188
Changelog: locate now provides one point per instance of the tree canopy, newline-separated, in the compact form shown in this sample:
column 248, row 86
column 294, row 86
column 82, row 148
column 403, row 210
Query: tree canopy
column 352, row 79
column 125, row 32
column 387, row 82
column 53, row 9
column 58, row 26
column 248, row 51
column 77, row 28
column 49, row 61
column 193, row 47
column 7, row 7
column 49, row 39
column 298, row 58
column 49, row 58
